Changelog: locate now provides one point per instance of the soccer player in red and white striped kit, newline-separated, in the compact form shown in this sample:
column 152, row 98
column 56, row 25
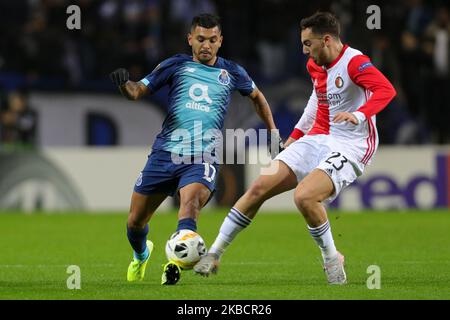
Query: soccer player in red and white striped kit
column 332, row 143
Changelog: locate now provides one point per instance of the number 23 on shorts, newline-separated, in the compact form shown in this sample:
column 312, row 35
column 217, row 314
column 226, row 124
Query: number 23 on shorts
column 337, row 160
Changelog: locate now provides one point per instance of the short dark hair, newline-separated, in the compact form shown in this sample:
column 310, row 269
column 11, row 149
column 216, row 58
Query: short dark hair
column 322, row 23
column 206, row 20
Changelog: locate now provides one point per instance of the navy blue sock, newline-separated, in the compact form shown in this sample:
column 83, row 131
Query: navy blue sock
column 138, row 239
column 187, row 223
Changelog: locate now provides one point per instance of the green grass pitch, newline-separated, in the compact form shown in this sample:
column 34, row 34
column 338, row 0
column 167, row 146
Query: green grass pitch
column 275, row 258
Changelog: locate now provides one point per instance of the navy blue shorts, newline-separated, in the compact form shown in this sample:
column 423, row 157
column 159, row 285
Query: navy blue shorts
column 162, row 176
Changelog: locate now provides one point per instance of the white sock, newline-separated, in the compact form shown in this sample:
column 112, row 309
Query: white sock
column 324, row 239
column 234, row 223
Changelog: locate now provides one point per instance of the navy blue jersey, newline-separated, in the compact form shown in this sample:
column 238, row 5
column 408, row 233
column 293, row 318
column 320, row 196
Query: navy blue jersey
column 199, row 96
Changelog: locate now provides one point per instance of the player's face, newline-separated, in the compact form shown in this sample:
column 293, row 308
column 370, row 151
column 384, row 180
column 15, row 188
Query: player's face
column 315, row 46
column 205, row 43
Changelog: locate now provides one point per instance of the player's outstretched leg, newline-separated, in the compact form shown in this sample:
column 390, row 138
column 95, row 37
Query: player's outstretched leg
column 141, row 210
column 240, row 216
column 208, row 265
column 234, row 223
column 309, row 194
column 193, row 197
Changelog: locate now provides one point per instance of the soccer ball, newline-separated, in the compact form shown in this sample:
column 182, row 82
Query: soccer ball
column 185, row 248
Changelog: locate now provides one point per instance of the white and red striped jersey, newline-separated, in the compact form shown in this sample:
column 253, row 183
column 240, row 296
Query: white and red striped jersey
column 349, row 84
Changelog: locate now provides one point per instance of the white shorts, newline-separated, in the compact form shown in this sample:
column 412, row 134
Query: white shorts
column 326, row 154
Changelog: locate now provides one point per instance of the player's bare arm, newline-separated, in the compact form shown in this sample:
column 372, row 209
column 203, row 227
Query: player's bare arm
column 262, row 108
column 129, row 89
column 133, row 90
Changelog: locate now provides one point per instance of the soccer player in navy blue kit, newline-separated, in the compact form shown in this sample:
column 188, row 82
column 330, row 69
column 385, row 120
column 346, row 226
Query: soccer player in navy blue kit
column 200, row 88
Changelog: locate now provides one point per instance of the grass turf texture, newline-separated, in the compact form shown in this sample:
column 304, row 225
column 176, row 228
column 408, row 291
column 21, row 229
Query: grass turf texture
column 275, row 258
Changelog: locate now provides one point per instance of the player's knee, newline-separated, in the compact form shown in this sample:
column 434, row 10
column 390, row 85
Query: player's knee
column 190, row 207
column 191, row 204
column 194, row 196
column 134, row 223
column 304, row 201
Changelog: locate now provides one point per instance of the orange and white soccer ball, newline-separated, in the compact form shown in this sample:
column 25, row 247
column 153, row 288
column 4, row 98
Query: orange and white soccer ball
column 185, row 248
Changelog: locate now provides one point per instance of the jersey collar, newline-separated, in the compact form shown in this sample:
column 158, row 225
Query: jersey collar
column 215, row 65
column 332, row 64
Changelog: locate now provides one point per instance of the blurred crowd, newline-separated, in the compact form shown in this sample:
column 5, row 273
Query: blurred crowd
column 412, row 49
column 18, row 121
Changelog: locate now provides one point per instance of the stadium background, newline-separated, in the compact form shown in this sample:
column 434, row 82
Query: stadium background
column 71, row 148
column 56, row 98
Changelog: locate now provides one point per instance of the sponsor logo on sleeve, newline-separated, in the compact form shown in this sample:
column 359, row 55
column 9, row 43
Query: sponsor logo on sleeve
column 364, row 66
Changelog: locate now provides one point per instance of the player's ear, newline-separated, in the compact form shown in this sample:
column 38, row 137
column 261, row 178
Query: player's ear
column 220, row 41
column 327, row 39
column 189, row 39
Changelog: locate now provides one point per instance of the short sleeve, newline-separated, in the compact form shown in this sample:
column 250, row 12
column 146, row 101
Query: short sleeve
column 244, row 84
column 161, row 75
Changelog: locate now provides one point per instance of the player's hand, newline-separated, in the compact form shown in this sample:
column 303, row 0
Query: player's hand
column 345, row 116
column 119, row 76
column 275, row 143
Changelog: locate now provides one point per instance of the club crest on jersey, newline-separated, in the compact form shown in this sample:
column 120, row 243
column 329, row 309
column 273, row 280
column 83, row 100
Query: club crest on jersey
column 224, row 78
column 339, row 82
column 139, row 180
